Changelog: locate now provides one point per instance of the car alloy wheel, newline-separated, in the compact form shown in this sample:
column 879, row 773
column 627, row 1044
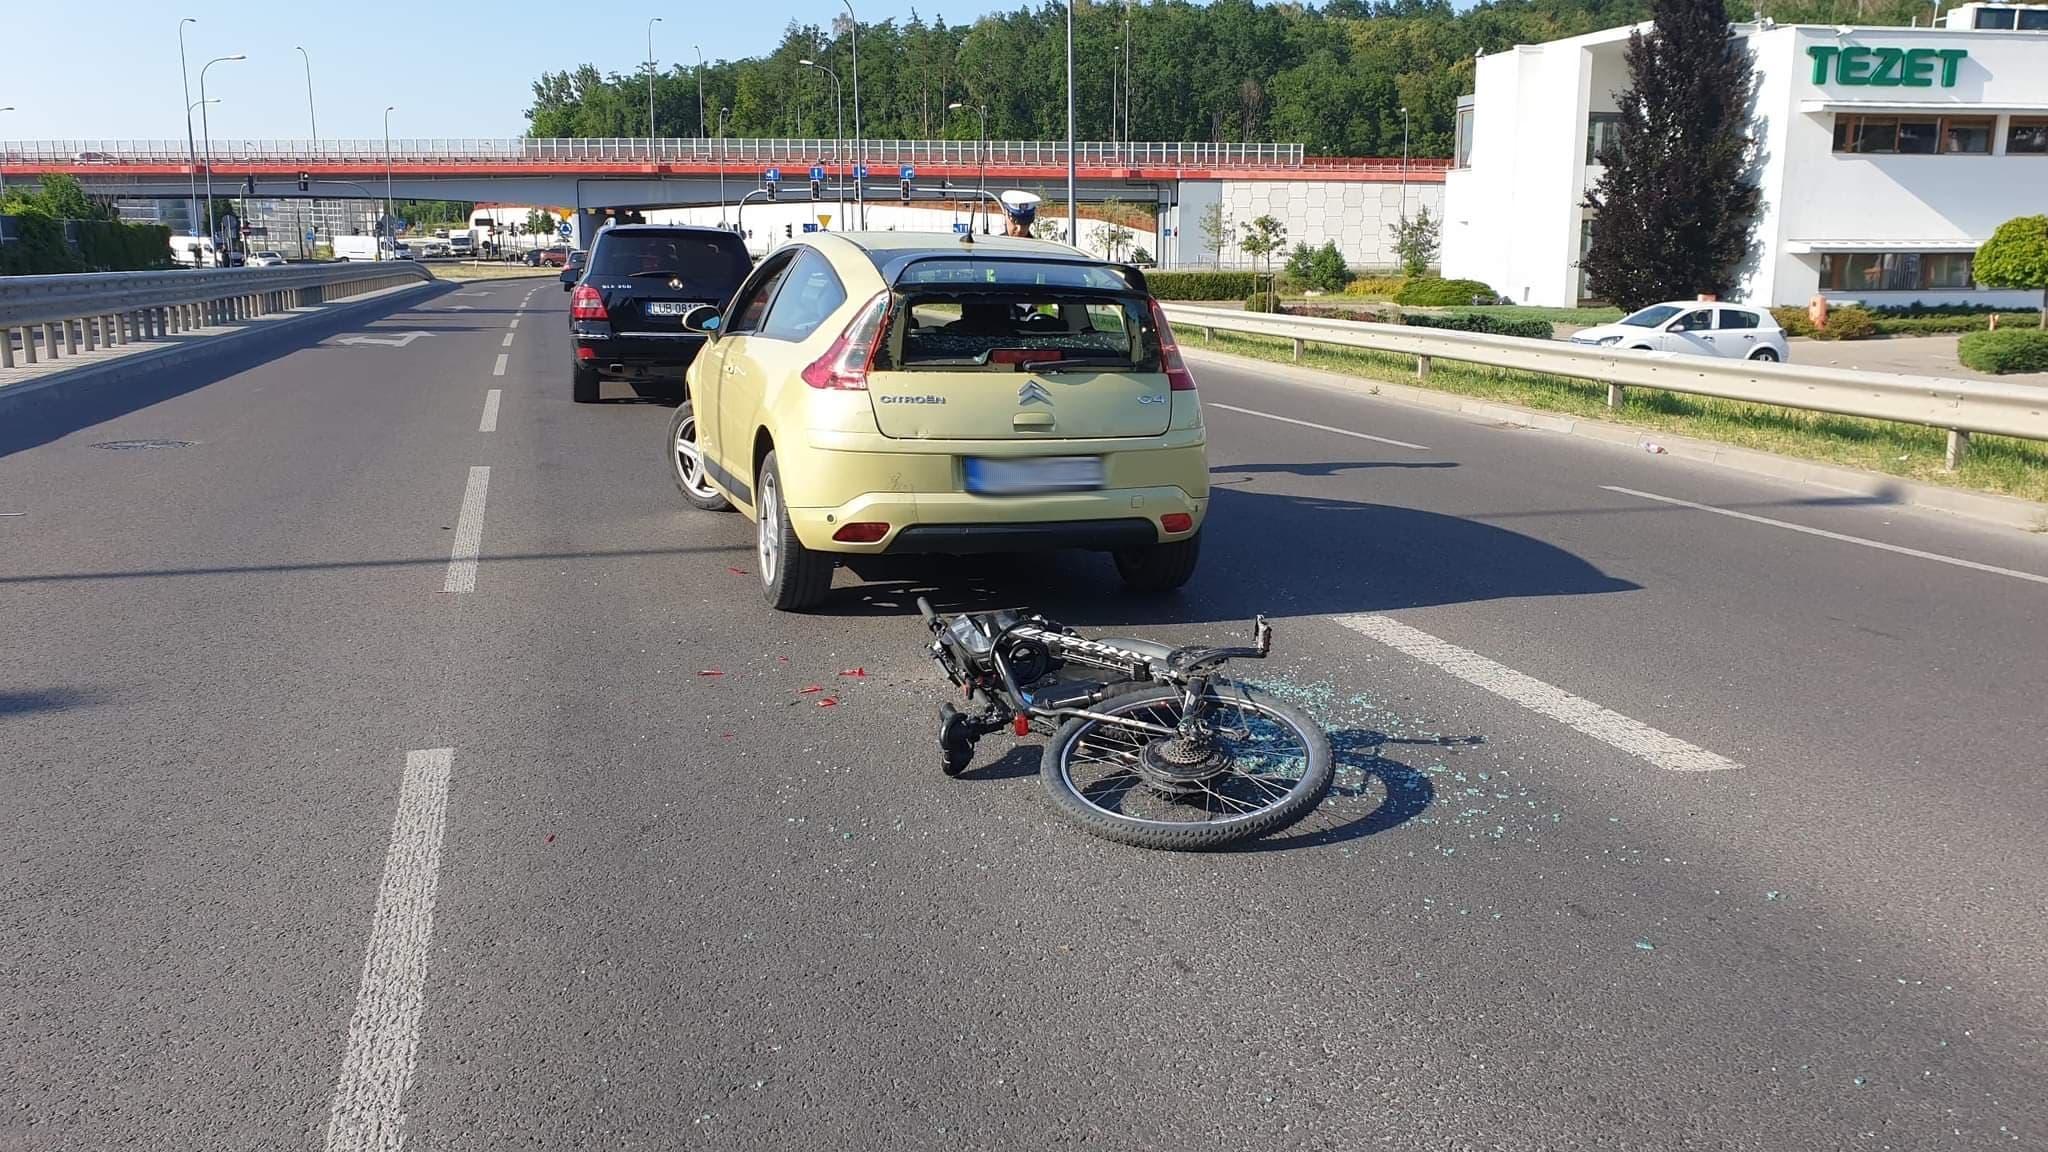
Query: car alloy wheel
column 768, row 529
column 690, row 461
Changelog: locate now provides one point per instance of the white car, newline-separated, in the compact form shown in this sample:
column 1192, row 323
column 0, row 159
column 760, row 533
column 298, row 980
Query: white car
column 266, row 260
column 1696, row 328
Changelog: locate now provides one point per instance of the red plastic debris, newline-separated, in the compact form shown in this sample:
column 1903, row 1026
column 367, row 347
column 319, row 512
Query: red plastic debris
column 782, row 659
column 551, row 837
column 728, row 736
column 1021, row 725
column 859, row 673
column 808, row 689
column 711, row 672
column 829, row 702
column 736, row 571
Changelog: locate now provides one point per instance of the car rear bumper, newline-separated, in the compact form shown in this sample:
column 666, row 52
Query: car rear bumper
column 638, row 354
column 959, row 523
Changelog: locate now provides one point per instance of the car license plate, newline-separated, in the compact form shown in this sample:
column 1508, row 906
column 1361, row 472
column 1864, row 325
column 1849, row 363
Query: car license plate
column 987, row 477
column 668, row 307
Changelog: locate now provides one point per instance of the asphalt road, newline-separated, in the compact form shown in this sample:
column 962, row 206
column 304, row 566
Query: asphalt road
column 292, row 832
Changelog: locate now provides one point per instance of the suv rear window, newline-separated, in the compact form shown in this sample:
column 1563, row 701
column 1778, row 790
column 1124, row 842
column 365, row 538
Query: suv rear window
column 1003, row 331
column 708, row 264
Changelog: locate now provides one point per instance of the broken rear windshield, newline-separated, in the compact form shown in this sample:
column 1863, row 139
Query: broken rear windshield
column 1022, row 330
column 965, row 270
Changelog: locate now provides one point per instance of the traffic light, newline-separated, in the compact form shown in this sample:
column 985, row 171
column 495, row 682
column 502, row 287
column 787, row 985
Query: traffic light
column 249, row 184
column 906, row 191
column 773, row 187
column 305, row 181
column 817, row 189
column 789, row 231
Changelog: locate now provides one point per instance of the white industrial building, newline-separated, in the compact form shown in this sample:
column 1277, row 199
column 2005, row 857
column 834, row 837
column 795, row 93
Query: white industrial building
column 1885, row 157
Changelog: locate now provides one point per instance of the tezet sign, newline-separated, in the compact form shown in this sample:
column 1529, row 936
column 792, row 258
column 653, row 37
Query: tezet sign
column 1855, row 65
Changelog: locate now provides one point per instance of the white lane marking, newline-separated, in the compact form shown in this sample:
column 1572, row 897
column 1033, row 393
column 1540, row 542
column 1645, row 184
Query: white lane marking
column 498, row 369
column 384, row 1031
column 506, row 342
column 515, row 320
column 490, row 421
column 1318, row 427
column 1827, row 535
column 1610, row 727
column 469, row 533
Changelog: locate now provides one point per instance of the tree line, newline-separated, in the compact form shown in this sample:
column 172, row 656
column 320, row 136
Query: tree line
column 1333, row 78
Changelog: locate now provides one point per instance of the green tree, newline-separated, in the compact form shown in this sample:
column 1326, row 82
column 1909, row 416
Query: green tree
column 1673, row 209
column 1113, row 235
column 1262, row 239
column 1217, row 231
column 1416, row 241
column 59, row 197
column 2016, row 256
column 539, row 223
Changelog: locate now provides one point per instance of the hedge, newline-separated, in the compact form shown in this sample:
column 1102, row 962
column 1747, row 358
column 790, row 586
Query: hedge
column 1481, row 322
column 1262, row 301
column 103, row 246
column 2006, row 350
column 1845, row 323
column 1200, row 285
column 1387, row 286
column 1431, row 292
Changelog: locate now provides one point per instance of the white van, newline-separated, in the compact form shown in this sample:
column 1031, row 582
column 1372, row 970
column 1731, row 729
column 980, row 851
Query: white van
column 364, row 248
column 189, row 251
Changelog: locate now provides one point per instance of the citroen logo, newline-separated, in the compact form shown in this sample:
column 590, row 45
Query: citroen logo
column 1033, row 393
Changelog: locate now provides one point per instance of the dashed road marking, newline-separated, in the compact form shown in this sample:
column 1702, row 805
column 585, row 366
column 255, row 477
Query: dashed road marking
column 1603, row 724
column 469, row 533
column 1827, row 535
column 507, row 342
column 498, row 369
column 514, row 323
column 490, row 420
column 384, row 1031
column 1318, row 427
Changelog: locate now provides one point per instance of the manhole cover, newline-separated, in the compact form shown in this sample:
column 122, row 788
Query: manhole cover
column 133, row 445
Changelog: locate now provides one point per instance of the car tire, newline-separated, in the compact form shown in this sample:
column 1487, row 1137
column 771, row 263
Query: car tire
column 1157, row 568
column 1767, row 355
column 583, row 383
column 793, row 578
column 686, row 463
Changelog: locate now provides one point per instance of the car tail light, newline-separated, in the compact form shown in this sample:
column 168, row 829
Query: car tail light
column 586, row 304
column 863, row 532
column 1178, row 378
column 585, row 352
column 1176, row 521
column 845, row 364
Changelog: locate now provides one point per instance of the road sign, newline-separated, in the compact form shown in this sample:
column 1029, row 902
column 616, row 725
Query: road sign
column 907, row 172
column 817, row 171
column 824, row 221
column 809, row 227
column 772, row 175
column 962, row 228
column 564, row 229
column 860, row 171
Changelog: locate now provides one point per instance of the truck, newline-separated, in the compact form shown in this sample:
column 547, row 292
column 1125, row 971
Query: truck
column 460, row 245
column 364, row 248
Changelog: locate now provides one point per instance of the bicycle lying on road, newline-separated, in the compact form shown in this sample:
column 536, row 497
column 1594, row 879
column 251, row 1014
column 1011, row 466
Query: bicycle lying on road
column 1151, row 745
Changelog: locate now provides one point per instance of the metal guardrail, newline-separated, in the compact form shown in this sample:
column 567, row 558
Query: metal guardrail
column 1957, row 405
column 766, row 151
column 111, row 308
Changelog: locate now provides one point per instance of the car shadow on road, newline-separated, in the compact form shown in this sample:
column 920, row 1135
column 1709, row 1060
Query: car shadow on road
column 1322, row 468
column 1262, row 553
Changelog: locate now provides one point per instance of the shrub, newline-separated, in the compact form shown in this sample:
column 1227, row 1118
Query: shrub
column 2006, row 350
column 1848, row 322
column 1262, row 301
column 1200, row 285
column 1481, row 322
column 1432, row 292
column 1892, row 324
column 1383, row 286
column 102, row 246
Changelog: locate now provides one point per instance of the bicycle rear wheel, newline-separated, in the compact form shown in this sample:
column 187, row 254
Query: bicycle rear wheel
column 1265, row 766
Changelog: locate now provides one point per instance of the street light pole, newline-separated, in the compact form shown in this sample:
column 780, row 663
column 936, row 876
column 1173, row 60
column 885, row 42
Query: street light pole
column 700, row 92
column 206, row 130
column 838, row 142
column 388, row 230
column 3, row 172
column 981, row 161
column 651, row 134
column 722, row 114
column 191, row 148
column 1073, row 210
column 1404, row 164
column 860, row 146
column 312, row 123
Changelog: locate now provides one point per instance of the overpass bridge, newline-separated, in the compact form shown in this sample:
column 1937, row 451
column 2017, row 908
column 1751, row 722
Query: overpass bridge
column 1343, row 197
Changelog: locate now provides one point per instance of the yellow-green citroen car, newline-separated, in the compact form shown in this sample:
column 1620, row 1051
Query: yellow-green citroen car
column 891, row 392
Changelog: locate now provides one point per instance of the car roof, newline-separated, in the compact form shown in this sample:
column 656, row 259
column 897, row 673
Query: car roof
column 889, row 252
column 667, row 230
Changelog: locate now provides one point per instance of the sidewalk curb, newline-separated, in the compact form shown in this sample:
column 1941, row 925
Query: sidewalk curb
column 87, row 379
column 2004, row 511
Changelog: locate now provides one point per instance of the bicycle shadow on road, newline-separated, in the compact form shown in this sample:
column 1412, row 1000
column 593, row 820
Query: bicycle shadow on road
column 1372, row 792
column 1280, row 555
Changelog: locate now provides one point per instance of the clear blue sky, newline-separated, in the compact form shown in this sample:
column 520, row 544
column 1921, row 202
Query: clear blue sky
column 452, row 70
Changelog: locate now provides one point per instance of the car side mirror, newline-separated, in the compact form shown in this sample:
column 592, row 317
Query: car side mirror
column 703, row 318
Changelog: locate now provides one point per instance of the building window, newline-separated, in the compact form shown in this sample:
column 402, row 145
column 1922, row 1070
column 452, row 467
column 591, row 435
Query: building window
column 2027, row 136
column 1462, row 151
column 1600, row 129
column 1895, row 271
column 2033, row 20
column 1994, row 18
column 1914, row 135
column 2030, row 19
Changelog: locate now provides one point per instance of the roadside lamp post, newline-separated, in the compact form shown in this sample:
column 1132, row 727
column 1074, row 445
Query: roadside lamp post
column 313, row 124
column 1404, row 164
column 191, row 146
column 860, row 144
column 390, row 225
column 651, row 134
column 722, row 114
column 206, row 131
column 838, row 141
column 1073, row 210
column 700, row 91
column 980, row 160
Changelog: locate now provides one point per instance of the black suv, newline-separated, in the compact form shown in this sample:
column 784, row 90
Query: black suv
column 626, row 315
